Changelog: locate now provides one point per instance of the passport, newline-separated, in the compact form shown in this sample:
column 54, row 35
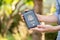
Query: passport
column 30, row 19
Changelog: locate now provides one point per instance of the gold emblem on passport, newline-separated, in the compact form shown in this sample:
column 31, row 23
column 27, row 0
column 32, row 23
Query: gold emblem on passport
column 30, row 17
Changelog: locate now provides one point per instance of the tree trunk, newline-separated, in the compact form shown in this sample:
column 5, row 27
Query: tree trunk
column 38, row 5
column 36, row 35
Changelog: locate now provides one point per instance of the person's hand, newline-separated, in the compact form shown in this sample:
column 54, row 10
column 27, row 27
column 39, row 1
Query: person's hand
column 40, row 17
column 22, row 14
column 44, row 28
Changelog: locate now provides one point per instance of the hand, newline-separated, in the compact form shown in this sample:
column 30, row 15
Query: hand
column 22, row 14
column 40, row 17
column 44, row 28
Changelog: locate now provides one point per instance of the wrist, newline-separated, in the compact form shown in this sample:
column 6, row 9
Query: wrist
column 57, row 28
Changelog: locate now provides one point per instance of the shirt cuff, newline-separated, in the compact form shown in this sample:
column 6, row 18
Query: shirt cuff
column 56, row 14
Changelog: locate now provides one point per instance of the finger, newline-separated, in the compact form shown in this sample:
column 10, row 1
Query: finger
column 40, row 26
column 26, row 9
column 33, row 28
column 22, row 17
column 37, row 15
column 39, row 29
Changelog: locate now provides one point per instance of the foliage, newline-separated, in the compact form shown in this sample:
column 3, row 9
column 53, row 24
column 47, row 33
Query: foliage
column 10, row 20
column 1, row 2
column 8, row 23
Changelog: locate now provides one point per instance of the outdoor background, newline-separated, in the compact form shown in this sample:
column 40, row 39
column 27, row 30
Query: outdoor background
column 12, row 27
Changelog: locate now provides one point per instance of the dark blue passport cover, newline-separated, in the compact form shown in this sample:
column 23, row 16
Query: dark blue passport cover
column 30, row 19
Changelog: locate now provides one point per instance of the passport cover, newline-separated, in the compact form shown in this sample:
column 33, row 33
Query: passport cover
column 30, row 19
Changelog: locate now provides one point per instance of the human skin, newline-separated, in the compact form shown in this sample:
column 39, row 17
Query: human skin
column 47, row 28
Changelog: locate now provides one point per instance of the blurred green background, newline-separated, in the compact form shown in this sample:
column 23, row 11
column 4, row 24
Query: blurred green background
column 11, row 24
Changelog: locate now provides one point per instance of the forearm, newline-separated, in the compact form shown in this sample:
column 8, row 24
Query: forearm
column 57, row 28
column 49, row 19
